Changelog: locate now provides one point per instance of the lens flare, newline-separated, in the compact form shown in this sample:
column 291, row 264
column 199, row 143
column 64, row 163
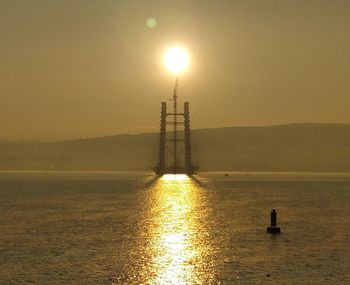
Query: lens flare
column 151, row 23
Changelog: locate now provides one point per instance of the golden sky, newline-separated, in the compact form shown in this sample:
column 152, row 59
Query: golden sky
column 71, row 68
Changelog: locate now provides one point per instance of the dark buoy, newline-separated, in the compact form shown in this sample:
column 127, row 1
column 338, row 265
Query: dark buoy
column 273, row 229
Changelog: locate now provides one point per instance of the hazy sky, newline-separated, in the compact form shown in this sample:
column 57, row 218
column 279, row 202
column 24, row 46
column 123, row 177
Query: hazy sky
column 74, row 67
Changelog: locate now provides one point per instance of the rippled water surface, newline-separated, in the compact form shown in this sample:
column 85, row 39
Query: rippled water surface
column 135, row 228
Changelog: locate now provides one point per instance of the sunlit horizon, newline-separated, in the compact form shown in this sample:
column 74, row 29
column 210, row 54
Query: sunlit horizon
column 175, row 177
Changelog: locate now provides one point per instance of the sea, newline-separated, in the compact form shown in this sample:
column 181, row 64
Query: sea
column 138, row 228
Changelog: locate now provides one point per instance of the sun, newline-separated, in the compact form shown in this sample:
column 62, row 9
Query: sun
column 176, row 59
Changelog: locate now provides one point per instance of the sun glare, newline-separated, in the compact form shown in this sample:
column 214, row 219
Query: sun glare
column 175, row 177
column 176, row 59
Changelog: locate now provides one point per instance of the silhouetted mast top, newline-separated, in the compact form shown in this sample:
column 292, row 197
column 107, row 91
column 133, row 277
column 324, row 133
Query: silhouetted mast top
column 175, row 124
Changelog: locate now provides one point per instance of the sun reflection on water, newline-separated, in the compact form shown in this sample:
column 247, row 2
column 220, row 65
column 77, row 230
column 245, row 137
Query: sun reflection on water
column 175, row 250
column 173, row 241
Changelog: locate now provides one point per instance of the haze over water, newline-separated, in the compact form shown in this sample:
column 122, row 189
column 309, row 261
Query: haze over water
column 131, row 228
column 277, row 71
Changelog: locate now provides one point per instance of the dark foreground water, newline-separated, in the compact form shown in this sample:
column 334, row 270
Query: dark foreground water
column 131, row 228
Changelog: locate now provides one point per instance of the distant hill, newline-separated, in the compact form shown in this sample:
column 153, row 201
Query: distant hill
column 293, row 147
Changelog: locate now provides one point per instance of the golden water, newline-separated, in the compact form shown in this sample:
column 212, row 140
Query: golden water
column 132, row 228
